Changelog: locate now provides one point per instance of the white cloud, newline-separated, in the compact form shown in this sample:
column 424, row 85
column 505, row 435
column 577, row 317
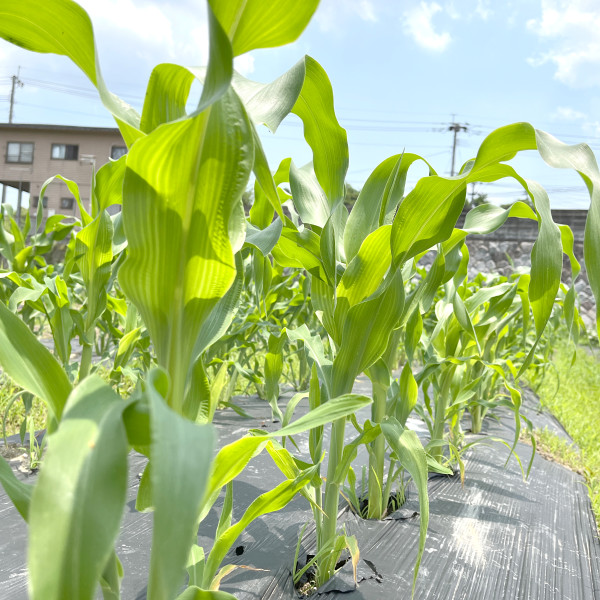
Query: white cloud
column 571, row 27
column 332, row 15
column 366, row 11
column 483, row 9
column 419, row 25
column 566, row 113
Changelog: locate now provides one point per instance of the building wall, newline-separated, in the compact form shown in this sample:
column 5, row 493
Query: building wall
column 94, row 148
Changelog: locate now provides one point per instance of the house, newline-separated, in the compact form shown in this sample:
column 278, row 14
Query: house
column 33, row 153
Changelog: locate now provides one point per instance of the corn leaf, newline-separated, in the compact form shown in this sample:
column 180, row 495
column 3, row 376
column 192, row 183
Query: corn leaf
column 181, row 186
column 27, row 361
column 180, row 455
column 195, row 593
column 74, row 518
column 18, row 491
column 63, row 27
column 367, row 329
column 409, row 450
column 250, row 26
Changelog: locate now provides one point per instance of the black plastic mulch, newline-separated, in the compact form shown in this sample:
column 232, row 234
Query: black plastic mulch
column 498, row 537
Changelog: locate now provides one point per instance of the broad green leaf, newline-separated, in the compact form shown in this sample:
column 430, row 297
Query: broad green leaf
column 63, row 27
column 79, row 498
column 378, row 200
column 268, row 502
column 108, row 185
column 18, row 491
column 93, row 254
column 409, row 450
column 300, row 249
column 314, row 348
column 328, row 141
column 181, row 455
column 310, row 200
column 273, row 371
column 166, row 95
column 426, row 216
column 223, row 312
column 110, row 581
column 264, row 239
column 364, row 273
column 27, row 361
column 367, row 328
column 333, row 409
column 270, row 103
column 227, row 465
column 250, row 24
column 181, row 186
column 195, row 593
column 582, row 159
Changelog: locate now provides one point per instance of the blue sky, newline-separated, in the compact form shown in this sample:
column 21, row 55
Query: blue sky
column 401, row 72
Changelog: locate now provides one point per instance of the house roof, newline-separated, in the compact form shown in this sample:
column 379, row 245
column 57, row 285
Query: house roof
column 46, row 127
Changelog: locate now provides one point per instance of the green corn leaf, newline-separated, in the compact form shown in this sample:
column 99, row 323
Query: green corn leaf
column 18, row 491
column 323, row 133
column 181, row 454
column 74, row 518
column 166, row 95
column 409, row 450
column 86, row 218
column 264, row 240
column 464, row 318
column 313, row 345
column 378, row 200
column 268, row 502
column 270, row 103
column 230, row 461
column 63, row 27
column 364, row 273
column 93, row 254
column 273, row 371
column 27, row 361
column 581, row 158
column 309, row 198
column 366, row 332
column 335, row 408
column 407, row 397
column 195, row 593
column 110, row 580
column 300, row 249
column 250, row 26
column 108, row 185
column 181, row 187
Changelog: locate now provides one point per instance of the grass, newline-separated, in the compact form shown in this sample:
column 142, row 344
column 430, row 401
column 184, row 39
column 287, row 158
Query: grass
column 576, row 404
column 16, row 412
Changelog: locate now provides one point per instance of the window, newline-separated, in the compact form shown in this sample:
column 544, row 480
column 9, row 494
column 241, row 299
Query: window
column 19, row 152
column 65, row 152
column 36, row 200
column 118, row 151
column 67, row 203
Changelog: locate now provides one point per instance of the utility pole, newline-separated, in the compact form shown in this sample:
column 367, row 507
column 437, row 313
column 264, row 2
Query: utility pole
column 16, row 82
column 456, row 128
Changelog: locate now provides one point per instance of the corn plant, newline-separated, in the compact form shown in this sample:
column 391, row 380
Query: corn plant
column 181, row 192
